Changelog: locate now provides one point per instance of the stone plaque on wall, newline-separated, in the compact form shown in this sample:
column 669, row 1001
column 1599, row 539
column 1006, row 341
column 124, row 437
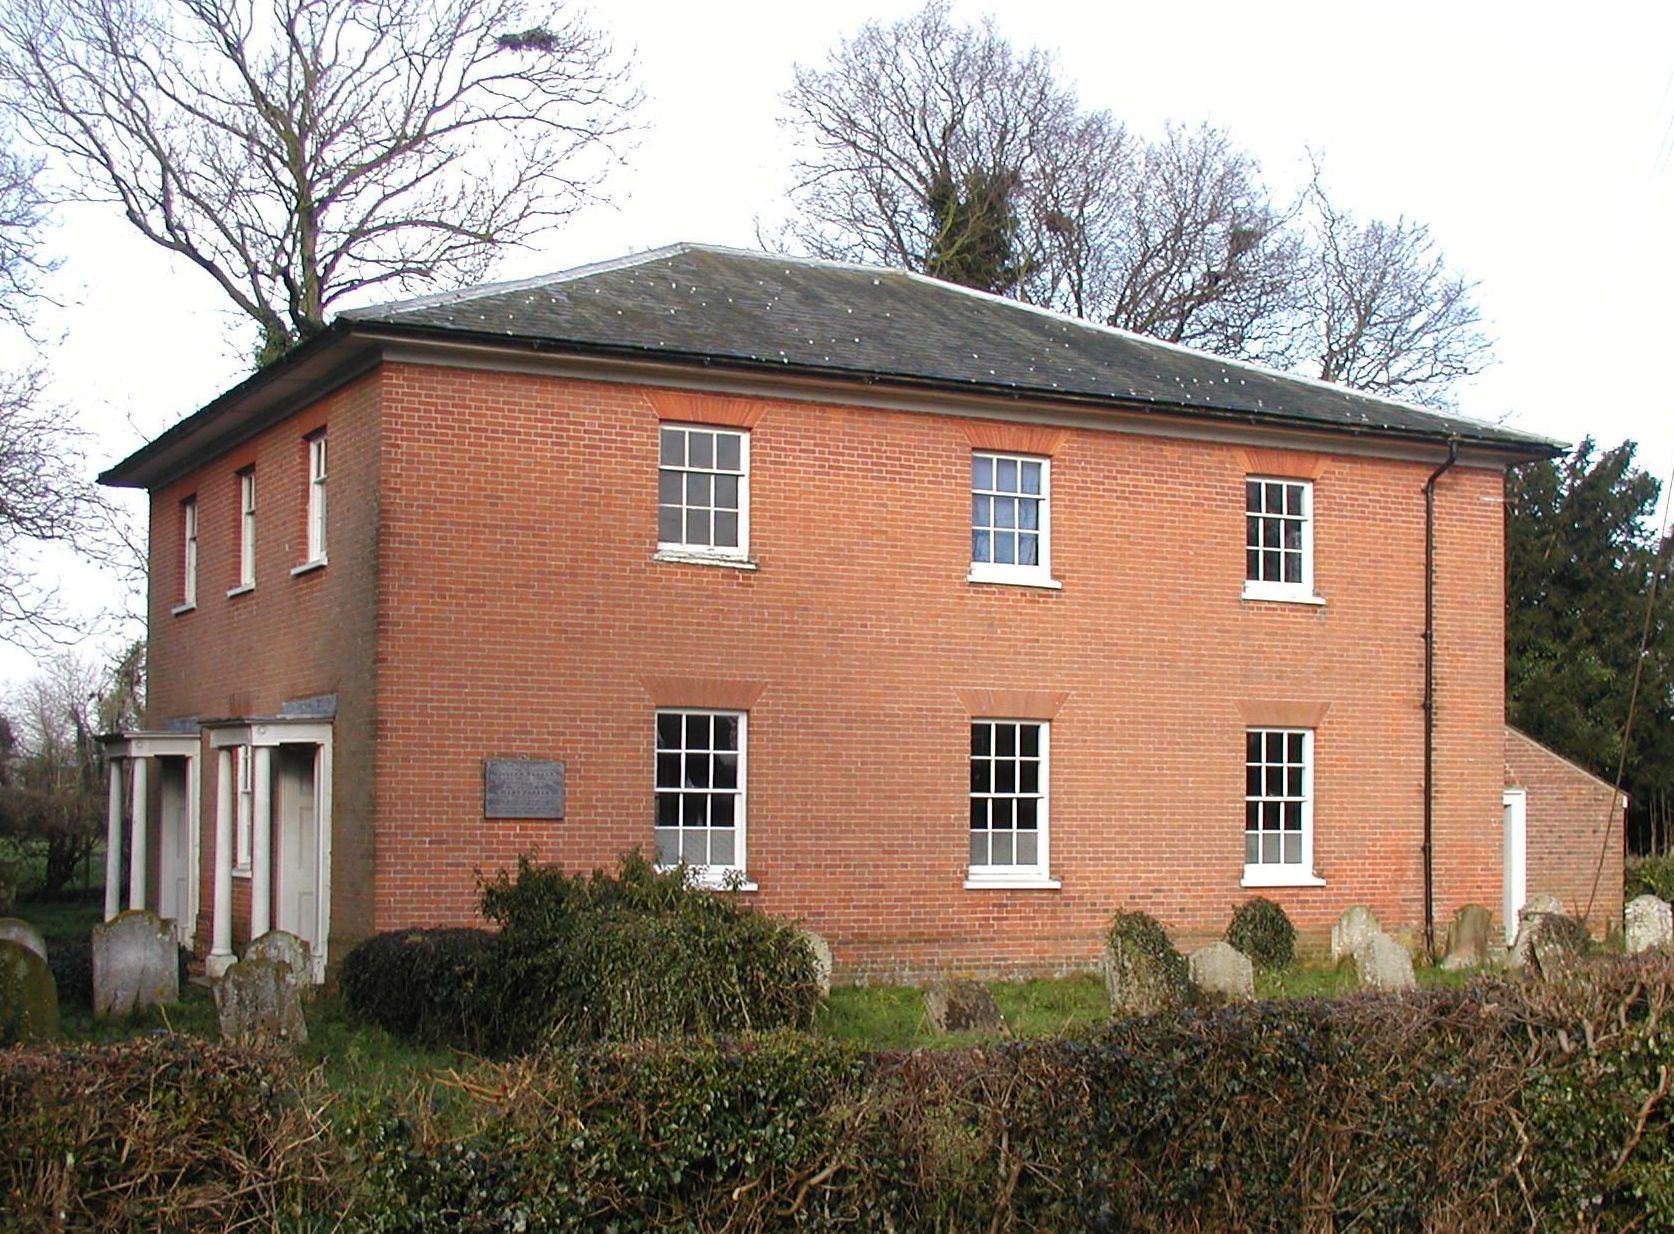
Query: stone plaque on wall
column 522, row 788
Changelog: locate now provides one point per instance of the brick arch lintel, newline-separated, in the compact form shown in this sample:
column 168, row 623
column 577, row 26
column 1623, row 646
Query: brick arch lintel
column 1003, row 704
column 720, row 693
column 692, row 407
column 1265, row 461
column 1282, row 713
column 1013, row 438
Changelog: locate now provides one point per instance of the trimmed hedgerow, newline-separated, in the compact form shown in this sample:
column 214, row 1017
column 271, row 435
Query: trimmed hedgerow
column 638, row 954
column 1262, row 931
column 436, row 987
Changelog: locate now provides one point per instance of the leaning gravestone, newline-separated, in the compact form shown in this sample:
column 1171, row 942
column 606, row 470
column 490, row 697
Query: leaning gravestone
column 1383, row 964
column 17, row 930
column 959, row 1006
column 1220, row 968
column 28, row 996
column 1548, row 945
column 1545, row 902
column 1140, row 981
column 1647, row 922
column 136, row 964
column 259, row 1001
column 822, row 960
column 285, row 949
column 1467, row 938
column 1356, row 924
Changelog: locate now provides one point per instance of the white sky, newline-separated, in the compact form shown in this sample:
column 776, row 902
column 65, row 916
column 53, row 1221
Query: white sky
column 1536, row 140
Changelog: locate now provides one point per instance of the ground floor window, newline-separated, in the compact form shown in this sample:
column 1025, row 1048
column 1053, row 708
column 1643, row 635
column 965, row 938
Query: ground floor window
column 1278, row 802
column 700, row 790
column 1008, row 797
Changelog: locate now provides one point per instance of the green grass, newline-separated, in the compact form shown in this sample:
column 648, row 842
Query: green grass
column 73, row 914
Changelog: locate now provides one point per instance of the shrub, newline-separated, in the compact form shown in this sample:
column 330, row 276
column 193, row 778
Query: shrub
column 1649, row 876
column 1261, row 930
column 435, row 987
column 1149, row 971
column 641, row 954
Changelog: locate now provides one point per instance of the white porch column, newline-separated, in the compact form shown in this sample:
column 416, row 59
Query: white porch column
column 220, row 940
column 261, row 842
column 137, row 856
column 113, row 841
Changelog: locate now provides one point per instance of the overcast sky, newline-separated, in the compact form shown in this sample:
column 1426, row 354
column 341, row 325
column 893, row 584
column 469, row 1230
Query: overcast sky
column 1537, row 141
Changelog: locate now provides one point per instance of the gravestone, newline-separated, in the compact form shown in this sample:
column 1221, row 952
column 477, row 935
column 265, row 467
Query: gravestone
column 28, row 996
column 1220, row 968
column 286, row 949
column 1545, row 902
column 136, row 964
column 1647, row 922
column 958, row 1006
column 1139, row 982
column 1355, row 924
column 1548, row 945
column 822, row 960
column 1383, row 964
column 17, row 930
column 1467, row 938
column 259, row 1001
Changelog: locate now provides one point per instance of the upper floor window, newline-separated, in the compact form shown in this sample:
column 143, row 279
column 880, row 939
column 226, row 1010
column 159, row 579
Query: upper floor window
column 1278, row 539
column 1278, row 807
column 1010, row 519
column 317, row 497
column 700, row 792
column 188, row 554
column 703, row 491
column 246, row 529
column 1008, row 829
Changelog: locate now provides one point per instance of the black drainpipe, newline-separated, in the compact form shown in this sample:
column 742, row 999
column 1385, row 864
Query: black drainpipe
column 1430, row 694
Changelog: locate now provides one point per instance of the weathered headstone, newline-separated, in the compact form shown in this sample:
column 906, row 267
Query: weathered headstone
column 286, row 949
column 1545, row 902
column 28, row 996
column 1355, row 924
column 822, row 960
column 1383, row 964
column 1647, row 922
column 259, row 1001
column 1556, row 945
column 1220, row 968
column 1467, row 938
column 960, row 1006
column 17, row 930
column 136, row 964
column 1140, row 982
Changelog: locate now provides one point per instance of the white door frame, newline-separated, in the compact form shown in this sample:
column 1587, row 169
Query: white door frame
column 1514, row 816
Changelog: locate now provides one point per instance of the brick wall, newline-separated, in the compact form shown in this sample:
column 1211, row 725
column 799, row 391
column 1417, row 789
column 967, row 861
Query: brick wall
column 1574, row 827
column 520, row 614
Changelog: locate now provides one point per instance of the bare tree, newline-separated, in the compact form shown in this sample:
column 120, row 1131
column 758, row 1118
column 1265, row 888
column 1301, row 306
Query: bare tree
column 1381, row 309
column 301, row 151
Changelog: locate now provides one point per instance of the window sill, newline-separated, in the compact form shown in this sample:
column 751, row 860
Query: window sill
column 1279, row 595
column 181, row 609
column 243, row 589
column 241, row 871
column 308, row 567
column 1267, row 876
column 715, row 879
column 1012, row 882
column 1008, row 578
column 685, row 558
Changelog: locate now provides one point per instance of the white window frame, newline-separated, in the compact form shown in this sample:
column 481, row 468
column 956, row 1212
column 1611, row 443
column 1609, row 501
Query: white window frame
column 1282, row 873
column 246, row 532
column 1037, row 874
column 726, row 875
column 244, row 812
column 317, row 509
column 1037, row 575
column 188, row 555
column 1277, row 589
column 681, row 550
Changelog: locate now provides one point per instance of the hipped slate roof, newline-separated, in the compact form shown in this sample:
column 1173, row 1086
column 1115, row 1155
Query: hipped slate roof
column 727, row 309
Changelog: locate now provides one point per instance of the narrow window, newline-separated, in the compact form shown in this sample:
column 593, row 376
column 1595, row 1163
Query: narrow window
column 1278, row 539
column 1278, row 805
column 317, row 497
column 699, row 790
column 1008, row 798
column 247, row 528
column 703, row 491
column 189, row 553
column 1009, row 519
column 244, row 786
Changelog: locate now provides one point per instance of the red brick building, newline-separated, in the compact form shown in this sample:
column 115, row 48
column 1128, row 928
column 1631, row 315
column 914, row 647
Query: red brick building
column 940, row 622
